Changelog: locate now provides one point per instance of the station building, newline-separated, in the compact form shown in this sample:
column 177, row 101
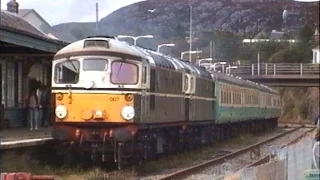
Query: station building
column 25, row 61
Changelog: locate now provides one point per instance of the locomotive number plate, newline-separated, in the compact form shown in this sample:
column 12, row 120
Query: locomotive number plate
column 114, row 99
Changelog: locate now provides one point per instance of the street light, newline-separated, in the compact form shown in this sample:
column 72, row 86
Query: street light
column 219, row 63
column 135, row 38
column 190, row 31
column 206, row 59
column 161, row 45
column 228, row 69
column 190, row 52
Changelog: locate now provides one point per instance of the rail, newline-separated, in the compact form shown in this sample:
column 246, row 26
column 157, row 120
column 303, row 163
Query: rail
column 192, row 170
column 276, row 69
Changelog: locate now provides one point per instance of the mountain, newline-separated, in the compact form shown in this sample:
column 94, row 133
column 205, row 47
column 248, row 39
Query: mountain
column 167, row 19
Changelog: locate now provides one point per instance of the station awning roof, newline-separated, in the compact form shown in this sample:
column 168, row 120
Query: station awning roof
column 15, row 30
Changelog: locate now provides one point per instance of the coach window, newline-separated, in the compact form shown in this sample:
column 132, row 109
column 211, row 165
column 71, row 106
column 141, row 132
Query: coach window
column 124, row 73
column 67, row 72
column 95, row 64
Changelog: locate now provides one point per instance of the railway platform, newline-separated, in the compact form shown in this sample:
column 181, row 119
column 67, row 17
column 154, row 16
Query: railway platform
column 23, row 137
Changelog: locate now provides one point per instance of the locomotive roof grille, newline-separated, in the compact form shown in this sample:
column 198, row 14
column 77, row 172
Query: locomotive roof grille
column 96, row 43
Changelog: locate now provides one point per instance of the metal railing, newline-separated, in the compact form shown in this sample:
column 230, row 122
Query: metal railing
column 276, row 69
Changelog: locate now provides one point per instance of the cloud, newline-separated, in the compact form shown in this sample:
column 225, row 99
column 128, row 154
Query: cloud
column 61, row 11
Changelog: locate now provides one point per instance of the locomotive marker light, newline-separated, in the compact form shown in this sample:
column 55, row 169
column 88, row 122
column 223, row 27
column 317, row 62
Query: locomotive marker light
column 61, row 111
column 128, row 113
column 128, row 97
column 59, row 96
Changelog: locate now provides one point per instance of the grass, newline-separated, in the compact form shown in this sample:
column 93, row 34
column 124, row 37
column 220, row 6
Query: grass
column 23, row 163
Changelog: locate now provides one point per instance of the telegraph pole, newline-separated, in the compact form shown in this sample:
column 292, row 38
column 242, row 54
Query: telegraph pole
column 211, row 49
column 97, row 18
column 258, row 63
column 0, row 12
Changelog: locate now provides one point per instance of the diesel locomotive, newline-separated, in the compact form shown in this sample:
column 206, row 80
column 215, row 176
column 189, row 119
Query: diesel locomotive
column 116, row 100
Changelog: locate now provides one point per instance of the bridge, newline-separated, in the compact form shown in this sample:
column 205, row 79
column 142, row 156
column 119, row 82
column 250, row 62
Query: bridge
column 280, row 74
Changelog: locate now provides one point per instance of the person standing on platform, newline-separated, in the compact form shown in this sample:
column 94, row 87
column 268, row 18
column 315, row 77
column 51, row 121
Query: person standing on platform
column 45, row 105
column 33, row 109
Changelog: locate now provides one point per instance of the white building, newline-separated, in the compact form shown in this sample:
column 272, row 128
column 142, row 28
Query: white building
column 37, row 21
column 316, row 55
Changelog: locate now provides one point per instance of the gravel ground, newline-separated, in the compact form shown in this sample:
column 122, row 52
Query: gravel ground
column 212, row 152
column 241, row 161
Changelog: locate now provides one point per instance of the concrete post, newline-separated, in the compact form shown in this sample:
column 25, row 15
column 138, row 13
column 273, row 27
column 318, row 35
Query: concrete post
column 266, row 69
column 252, row 69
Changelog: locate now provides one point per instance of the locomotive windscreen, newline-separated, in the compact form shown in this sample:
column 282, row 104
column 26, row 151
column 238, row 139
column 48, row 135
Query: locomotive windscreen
column 124, row 73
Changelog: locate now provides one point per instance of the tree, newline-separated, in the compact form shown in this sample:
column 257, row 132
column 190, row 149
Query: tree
column 306, row 35
column 227, row 45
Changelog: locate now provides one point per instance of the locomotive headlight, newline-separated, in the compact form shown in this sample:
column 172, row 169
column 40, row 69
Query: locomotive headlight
column 88, row 84
column 128, row 112
column 61, row 111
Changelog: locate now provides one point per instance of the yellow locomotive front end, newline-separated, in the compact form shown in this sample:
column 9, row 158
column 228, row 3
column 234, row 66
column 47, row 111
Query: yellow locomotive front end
column 97, row 93
column 87, row 107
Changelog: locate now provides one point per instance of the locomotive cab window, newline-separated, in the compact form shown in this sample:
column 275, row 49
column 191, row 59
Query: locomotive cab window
column 67, row 72
column 95, row 64
column 124, row 72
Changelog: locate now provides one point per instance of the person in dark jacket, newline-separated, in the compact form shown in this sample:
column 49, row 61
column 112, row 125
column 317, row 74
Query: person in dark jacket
column 45, row 105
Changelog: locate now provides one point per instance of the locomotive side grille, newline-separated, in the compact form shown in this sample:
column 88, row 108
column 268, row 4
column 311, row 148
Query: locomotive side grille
column 96, row 43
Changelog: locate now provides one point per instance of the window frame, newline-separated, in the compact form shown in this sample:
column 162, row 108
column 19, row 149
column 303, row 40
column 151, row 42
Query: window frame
column 91, row 59
column 61, row 62
column 128, row 62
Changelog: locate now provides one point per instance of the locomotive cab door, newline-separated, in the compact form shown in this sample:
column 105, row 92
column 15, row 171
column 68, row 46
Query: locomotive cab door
column 145, row 84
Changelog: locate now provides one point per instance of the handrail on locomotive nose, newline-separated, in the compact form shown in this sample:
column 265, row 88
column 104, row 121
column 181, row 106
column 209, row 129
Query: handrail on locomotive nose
column 69, row 93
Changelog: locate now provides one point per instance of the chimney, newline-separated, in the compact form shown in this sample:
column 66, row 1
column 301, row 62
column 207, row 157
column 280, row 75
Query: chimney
column 13, row 6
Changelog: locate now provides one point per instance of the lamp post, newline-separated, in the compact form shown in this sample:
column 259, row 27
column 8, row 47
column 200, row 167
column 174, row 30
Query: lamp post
column 228, row 69
column 190, row 52
column 135, row 38
column 219, row 63
column 190, row 31
column 206, row 59
column 161, row 45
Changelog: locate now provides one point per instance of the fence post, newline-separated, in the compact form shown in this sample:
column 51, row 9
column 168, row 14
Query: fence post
column 301, row 69
column 252, row 69
column 266, row 69
column 274, row 69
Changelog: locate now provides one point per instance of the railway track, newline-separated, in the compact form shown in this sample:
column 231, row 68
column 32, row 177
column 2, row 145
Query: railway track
column 253, row 149
column 219, row 160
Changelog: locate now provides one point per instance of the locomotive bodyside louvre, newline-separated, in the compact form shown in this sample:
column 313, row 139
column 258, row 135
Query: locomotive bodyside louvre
column 164, row 98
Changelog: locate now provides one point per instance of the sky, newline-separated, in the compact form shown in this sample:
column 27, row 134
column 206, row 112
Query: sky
column 61, row 11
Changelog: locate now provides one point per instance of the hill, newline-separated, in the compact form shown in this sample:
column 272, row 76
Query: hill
column 170, row 18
